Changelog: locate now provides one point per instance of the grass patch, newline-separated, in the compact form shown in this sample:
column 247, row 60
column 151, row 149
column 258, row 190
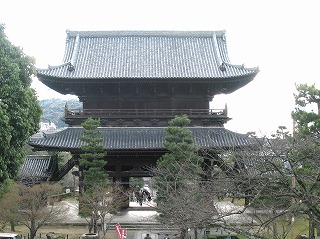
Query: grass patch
column 301, row 227
column 224, row 236
column 237, row 202
column 284, row 228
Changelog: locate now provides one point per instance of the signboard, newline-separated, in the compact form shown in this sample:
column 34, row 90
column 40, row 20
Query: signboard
column 121, row 232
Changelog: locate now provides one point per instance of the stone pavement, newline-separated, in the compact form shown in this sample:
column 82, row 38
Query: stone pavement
column 144, row 217
column 234, row 214
column 140, row 220
column 136, row 214
column 155, row 234
column 146, row 214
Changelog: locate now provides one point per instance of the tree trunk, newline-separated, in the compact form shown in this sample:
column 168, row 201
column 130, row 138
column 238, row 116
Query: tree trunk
column 33, row 232
column 81, row 178
column 95, row 224
column 103, row 226
column 12, row 226
column 32, row 229
column 248, row 197
column 274, row 225
column 90, row 225
column 311, row 227
column 184, row 233
column 318, row 230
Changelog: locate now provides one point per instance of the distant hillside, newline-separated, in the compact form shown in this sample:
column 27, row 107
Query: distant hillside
column 53, row 110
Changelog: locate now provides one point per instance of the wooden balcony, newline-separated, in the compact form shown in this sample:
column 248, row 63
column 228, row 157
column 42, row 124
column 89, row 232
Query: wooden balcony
column 143, row 112
column 140, row 116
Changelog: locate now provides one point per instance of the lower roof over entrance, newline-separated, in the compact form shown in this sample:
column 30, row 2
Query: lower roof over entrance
column 140, row 139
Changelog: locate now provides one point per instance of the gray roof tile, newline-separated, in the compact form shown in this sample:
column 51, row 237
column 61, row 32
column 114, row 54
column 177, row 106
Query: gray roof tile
column 37, row 168
column 142, row 138
column 132, row 54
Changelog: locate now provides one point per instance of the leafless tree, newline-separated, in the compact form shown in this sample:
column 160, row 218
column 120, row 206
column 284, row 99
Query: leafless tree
column 278, row 179
column 33, row 206
column 101, row 205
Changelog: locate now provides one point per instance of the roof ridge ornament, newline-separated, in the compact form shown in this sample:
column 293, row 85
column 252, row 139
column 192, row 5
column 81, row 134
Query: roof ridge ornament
column 73, row 60
column 70, row 67
column 222, row 67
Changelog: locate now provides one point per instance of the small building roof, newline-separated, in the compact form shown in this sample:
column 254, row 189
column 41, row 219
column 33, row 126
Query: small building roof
column 141, row 138
column 121, row 55
column 37, row 168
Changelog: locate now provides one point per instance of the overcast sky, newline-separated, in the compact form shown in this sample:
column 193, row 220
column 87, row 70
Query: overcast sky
column 281, row 37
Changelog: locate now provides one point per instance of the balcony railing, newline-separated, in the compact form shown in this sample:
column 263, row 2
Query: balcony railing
column 115, row 113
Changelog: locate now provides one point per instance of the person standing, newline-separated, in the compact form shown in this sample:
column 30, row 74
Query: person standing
column 147, row 236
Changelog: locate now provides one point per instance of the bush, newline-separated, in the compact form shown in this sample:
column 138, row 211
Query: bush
column 222, row 236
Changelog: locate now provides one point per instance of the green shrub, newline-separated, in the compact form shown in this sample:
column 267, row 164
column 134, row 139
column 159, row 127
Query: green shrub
column 222, row 236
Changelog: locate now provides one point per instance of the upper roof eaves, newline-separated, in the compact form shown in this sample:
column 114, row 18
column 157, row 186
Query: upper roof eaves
column 146, row 54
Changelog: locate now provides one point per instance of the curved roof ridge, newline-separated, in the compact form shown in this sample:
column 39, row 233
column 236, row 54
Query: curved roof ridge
column 217, row 52
column 256, row 68
column 219, row 33
column 54, row 67
column 74, row 53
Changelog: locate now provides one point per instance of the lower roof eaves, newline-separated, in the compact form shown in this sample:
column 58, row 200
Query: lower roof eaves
column 141, row 139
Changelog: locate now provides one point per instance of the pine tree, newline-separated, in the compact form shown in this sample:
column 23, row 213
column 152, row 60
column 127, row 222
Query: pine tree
column 308, row 121
column 178, row 172
column 91, row 160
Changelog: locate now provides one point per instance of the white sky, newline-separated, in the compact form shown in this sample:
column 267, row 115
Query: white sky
column 282, row 37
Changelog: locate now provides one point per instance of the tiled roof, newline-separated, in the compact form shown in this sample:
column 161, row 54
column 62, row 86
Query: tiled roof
column 37, row 168
column 146, row 54
column 141, row 138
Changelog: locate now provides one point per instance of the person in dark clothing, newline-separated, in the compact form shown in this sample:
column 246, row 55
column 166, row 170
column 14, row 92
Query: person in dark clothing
column 147, row 236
